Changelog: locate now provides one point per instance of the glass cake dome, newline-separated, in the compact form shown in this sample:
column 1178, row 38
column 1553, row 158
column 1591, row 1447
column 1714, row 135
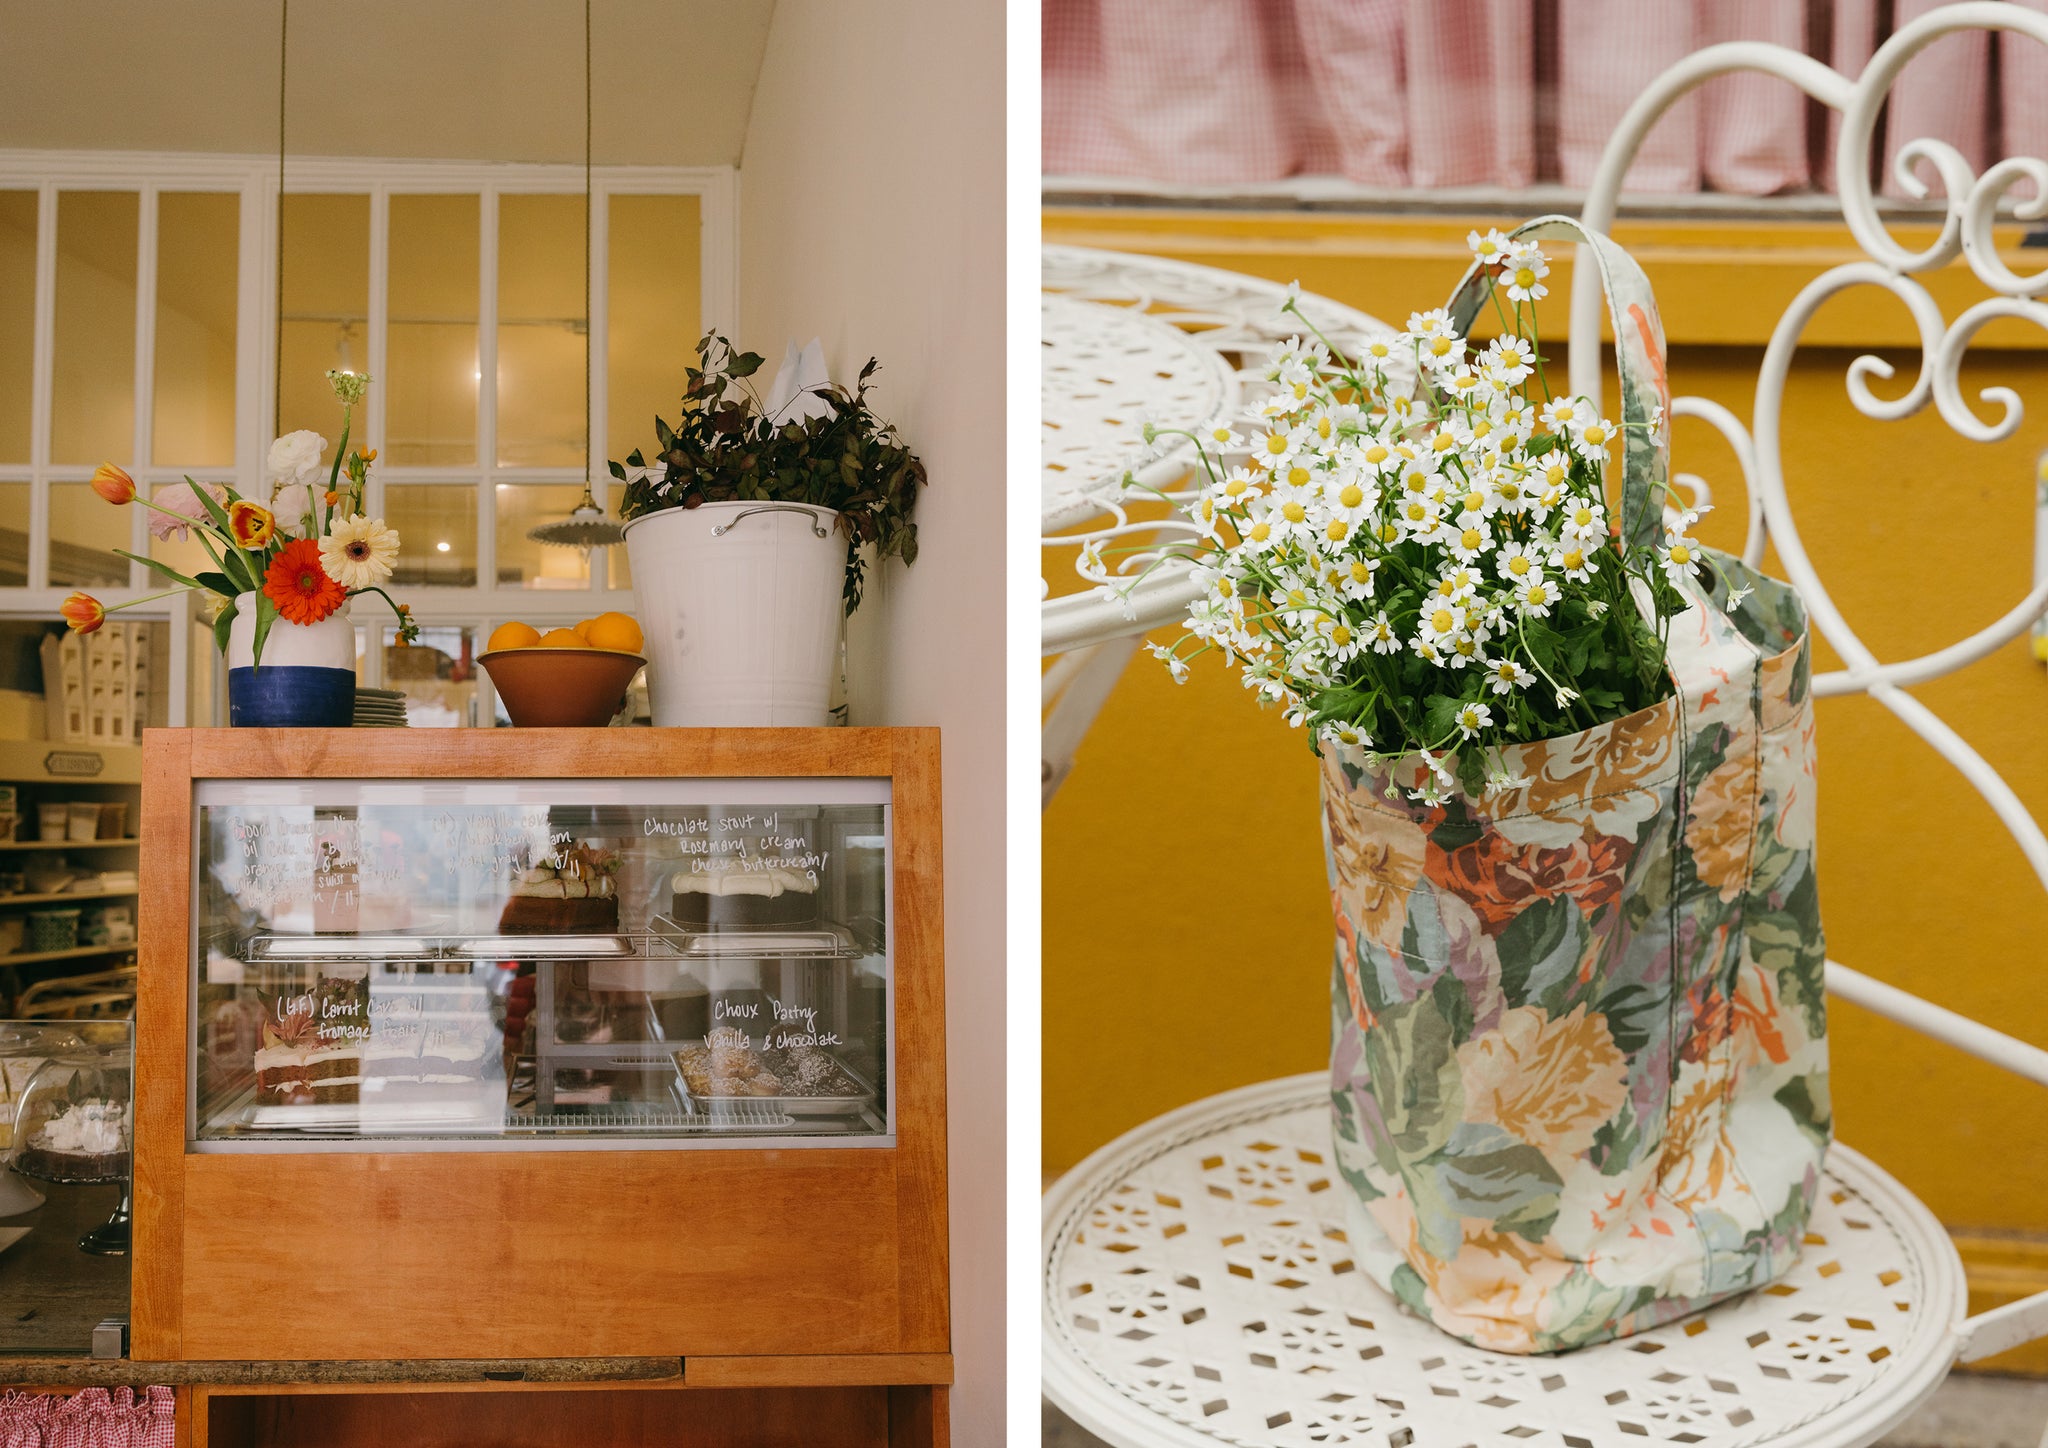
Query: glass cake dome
column 74, row 1124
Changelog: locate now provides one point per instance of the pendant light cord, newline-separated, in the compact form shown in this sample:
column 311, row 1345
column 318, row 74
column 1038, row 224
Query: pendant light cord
column 589, row 306
column 284, row 15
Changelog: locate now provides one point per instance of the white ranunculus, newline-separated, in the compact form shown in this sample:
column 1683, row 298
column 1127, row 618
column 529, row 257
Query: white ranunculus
column 291, row 502
column 295, row 457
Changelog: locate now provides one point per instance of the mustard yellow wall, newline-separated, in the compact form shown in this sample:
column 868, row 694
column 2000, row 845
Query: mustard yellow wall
column 1186, row 924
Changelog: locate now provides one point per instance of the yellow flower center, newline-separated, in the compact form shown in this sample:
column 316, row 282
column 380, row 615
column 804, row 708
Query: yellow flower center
column 1235, row 487
column 1276, row 443
column 1442, row 620
column 1360, row 573
column 1680, row 553
column 1474, row 501
column 1472, row 537
column 1293, row 512
column 1337, row 530
column 1298, row 476
column 1352, row 496
column 1340, row 636
column 1518, row 565
column 1525, row 277
column 1375, row 454
column 1260, row 532
column 1573, row 558
column 1440, row 346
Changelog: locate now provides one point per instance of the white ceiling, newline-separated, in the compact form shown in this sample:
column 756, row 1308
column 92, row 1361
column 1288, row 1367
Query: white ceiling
column 480, row 80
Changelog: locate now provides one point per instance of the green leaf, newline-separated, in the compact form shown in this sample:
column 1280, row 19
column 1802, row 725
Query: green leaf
column 164, row 568
column 218, row 582
column 223, row 621
column 266, row 615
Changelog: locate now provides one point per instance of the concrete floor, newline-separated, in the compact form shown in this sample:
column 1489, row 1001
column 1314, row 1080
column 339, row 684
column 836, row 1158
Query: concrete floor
column 1969, row 1411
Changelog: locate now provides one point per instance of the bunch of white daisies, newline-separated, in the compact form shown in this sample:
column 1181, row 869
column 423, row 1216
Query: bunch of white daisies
column 1413, row 551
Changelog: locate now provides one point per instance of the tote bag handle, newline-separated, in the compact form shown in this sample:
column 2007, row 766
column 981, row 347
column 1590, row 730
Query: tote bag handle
column 1639, row 361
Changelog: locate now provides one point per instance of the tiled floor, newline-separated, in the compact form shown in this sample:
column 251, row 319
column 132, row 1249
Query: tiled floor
column 1967, row 1412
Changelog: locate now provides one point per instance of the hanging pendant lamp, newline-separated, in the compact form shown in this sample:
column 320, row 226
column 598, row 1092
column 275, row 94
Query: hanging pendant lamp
column 587, row 526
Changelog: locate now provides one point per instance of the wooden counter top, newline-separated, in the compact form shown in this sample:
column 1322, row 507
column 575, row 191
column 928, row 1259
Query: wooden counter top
column 85, row 1372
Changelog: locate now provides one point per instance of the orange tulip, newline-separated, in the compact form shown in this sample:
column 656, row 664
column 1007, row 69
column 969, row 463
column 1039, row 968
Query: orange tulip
column 252, row 524
column 113, row 484
column 83, row 612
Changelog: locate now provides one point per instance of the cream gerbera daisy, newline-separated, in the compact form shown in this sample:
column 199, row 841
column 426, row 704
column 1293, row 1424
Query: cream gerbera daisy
column 358, row 552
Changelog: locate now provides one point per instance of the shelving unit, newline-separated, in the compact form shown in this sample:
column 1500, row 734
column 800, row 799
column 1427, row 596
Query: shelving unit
column 43, row 771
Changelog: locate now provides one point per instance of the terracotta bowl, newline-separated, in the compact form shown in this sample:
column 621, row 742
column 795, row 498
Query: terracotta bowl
column 561, row 688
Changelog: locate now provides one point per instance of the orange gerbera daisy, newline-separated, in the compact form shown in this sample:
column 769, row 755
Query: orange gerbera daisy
column 299, row 586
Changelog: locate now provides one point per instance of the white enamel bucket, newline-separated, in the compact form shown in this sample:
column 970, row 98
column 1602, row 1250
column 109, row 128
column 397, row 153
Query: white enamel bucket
column 741, row 606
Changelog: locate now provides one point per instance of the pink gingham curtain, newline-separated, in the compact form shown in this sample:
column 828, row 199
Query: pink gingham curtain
column 1434, row 93
column 90, row 1418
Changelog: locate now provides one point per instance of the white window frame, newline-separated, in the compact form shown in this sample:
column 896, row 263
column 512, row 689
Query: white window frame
column 255, row 180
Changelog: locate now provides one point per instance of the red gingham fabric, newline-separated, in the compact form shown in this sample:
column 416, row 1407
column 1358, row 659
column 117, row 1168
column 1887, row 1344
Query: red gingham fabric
column 1434, row 93
column 89, row 1418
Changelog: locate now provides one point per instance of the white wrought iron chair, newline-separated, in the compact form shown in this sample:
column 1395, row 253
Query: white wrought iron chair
column 1197, row 1288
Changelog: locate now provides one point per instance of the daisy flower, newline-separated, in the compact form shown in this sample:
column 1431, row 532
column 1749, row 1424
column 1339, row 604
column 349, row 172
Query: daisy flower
column 1584, row 520
column 1490, row 248
column 1591, row 434
column 1512, row 357
column 1347, row 735
column 1679, row 557
column 1379, row 634
column 1575, row 561
column 1222, row 437
column 1523, row 274
column 1466, row 543
column 1506, row 676
column 1175, row 665
column 1356, row 581
column 1340, row 641
column 1517, row 563
column 1456, row 586
column 1533, row 599
column 299, row 586
column 1472, row 718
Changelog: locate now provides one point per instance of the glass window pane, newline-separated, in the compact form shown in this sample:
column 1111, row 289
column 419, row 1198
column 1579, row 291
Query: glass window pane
column 326, row 307
column 436, row 525
column 430, row 394
column 523, row 563
column 543, row 332
column 84, row 529
column 438, row 675
column 198, row 239
column 93, row 373
column 652, row 314
column 617, row 572
column 14, row 535
column 185, row 554
column 17, row 321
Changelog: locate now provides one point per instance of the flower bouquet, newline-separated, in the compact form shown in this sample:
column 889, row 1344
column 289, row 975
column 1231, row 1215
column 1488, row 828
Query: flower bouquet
column 1578, row 1052
column 295, row 560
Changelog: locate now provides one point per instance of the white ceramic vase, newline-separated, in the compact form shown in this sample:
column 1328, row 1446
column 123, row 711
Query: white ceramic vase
column 741, row 604
column 306, row 678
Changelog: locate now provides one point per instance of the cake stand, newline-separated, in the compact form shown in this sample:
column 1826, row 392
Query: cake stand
column 109, row 1238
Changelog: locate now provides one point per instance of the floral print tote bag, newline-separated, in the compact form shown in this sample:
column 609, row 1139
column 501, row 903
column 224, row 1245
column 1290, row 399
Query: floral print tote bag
column 1578, row 1061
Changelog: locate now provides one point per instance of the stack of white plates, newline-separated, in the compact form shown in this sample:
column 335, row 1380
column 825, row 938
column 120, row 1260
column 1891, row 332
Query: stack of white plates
column 380, row 708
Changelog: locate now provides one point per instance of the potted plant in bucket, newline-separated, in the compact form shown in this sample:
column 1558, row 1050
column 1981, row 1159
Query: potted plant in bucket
column 284, row 572
column 745, row 531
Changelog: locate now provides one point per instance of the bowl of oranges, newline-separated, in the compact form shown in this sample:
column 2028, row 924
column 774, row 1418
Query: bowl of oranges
column 564, row 678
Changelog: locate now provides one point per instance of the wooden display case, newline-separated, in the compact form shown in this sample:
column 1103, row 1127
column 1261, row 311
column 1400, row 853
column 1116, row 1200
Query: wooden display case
column 757, row 1270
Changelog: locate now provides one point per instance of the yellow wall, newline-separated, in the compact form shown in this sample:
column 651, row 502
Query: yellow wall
column 1186, row 923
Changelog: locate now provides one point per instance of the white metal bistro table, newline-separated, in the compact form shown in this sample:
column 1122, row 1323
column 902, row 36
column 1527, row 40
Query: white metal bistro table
column 1198, row 1290
column 1128, row 340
